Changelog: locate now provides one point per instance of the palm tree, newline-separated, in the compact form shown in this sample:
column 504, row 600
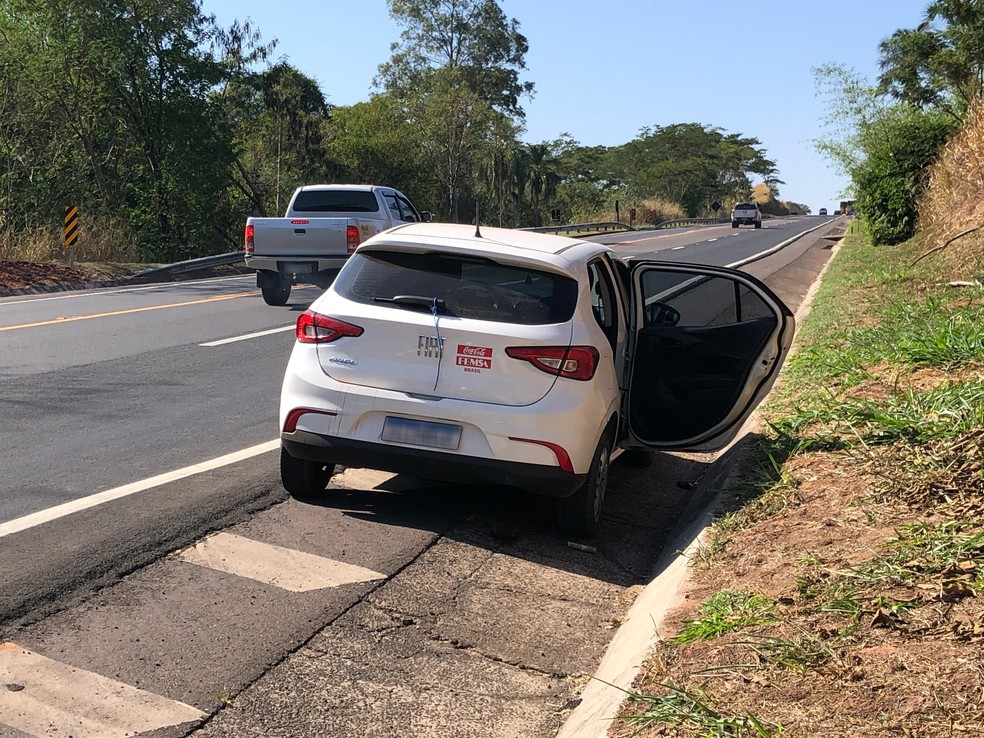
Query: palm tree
column 543, row 176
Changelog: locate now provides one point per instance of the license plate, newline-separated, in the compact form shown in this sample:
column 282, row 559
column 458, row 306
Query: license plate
column 299, row 267
column 421, row 433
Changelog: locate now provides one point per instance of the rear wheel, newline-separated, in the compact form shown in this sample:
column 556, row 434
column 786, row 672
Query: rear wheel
column 302, row 478
column 580, row 514
column 758, row 225
column 734, row 224
column 278, row 294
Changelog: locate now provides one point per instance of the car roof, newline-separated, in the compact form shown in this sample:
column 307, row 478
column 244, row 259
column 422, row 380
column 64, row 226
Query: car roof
column 361, row 187
column 515, row 245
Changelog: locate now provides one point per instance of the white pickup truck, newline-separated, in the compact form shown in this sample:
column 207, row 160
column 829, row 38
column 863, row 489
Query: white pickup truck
column 746, row 213
column 324, row 224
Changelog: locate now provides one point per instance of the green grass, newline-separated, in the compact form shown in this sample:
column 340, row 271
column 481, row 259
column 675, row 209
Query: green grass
column 907, row 435
column 725, row 612
column 693, row 711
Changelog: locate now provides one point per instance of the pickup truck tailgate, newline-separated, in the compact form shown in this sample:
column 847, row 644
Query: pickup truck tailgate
column 300, row 237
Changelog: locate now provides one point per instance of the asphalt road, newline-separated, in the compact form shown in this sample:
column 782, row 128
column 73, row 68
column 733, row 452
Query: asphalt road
column 109, row 388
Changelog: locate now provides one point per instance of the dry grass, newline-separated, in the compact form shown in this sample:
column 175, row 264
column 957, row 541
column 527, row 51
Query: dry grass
column 101, row 239
column 953, row 201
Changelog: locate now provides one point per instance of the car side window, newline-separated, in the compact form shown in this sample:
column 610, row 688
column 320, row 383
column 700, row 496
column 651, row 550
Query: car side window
column 393, row 205
column 602, row 296
column 409, row 214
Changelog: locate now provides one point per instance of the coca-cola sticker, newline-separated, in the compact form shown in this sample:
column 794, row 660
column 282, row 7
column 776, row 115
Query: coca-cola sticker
column 474, row 358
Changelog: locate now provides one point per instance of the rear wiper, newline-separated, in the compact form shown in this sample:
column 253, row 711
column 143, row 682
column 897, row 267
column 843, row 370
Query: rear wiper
column 415, row 301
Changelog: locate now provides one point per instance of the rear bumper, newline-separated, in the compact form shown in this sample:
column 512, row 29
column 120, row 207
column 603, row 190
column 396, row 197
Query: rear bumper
column 298, row 265
column 745, row 221
column 541, row 480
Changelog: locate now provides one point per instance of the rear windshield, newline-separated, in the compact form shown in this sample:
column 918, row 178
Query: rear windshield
column 743, row 205
column 480, row 289
column 335, row 201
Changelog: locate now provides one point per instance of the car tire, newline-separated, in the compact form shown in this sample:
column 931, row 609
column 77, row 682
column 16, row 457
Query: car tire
column 734, row 225
column 277, row 295
column 758, row 225
column 301, row 478
column 580, row 514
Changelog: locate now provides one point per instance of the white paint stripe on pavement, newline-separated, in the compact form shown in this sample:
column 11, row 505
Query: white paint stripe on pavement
column 45, row 697
column 286, row 568
column 248, row 336
column 677, row 248
column 84, row 503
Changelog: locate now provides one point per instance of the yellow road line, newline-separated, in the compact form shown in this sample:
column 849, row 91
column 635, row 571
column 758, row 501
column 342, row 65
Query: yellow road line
column 73, row 318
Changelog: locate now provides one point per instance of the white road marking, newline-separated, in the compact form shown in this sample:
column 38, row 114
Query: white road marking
column 677, row 248
column 710, row 240
column 45, row 697
column 286, row 568
column 74, row 294
column 248, row 336
column 84, row 503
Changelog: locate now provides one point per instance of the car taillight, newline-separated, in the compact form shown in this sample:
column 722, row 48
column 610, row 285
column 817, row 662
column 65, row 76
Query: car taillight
column 352, row 238
column 248, row 245
column 314, row 327
column 572, row 362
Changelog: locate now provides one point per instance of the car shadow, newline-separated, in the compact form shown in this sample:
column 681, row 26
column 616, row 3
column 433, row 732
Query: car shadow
column 644, row 511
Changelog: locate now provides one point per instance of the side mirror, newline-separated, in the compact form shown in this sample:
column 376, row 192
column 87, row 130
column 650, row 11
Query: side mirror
column 425, row 216
column 658, row 313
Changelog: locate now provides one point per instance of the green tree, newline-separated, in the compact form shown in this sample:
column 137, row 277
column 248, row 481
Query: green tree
column 692, row 164
column 884, row 146
column 472, row 37
column 112, row 110
column 376, row 141
column 940, row 63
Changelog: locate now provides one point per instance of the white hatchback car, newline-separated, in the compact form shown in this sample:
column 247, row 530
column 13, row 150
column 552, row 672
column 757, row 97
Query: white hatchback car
column 517, row 358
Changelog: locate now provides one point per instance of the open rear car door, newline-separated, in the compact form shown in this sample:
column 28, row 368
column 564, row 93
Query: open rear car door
column 707, row 344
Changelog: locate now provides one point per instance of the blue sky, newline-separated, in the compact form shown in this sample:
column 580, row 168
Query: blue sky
column 604, row 70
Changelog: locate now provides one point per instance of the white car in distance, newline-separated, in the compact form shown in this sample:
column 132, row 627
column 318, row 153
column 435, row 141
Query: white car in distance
column 517, row 358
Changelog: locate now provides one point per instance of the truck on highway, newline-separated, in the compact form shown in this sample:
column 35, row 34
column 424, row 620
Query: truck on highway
column 323, row 225
column 746, row 213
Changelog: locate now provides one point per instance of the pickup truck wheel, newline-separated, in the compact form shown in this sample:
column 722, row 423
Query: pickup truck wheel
column 580, row 514
column 277, row 295
column 734, row 225
column 758, row 225
column 301, row 478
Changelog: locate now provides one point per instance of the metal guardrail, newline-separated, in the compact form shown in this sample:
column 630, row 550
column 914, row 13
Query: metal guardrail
column 614, row 227
column 680, row 222
column 603, row 227
column 192, row 265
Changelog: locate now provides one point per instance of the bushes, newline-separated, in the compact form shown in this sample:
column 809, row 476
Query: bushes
column 899, row 146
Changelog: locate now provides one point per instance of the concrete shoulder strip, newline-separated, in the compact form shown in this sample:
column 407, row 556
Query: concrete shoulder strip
column 45, row 697
column 286, row 568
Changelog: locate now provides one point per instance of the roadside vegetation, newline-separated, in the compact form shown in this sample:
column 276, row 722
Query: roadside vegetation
column 171, row 130
column 841, row 589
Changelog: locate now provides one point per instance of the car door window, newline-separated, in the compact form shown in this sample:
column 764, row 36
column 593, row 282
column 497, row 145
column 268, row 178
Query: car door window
column 603, row 304
column 393, row 205
column 701, row 351
column 409, row 214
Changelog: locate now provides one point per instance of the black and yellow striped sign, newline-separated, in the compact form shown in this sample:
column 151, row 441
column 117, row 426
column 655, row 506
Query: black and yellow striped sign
column 71, row 225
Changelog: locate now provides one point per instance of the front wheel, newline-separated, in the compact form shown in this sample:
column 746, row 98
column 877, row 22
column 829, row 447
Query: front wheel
column 302, row 478
column 580, row 514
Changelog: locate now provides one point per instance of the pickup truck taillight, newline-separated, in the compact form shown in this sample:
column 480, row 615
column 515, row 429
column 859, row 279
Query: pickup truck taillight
column 248, row 245
column 314, row 327
column 352, row 238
